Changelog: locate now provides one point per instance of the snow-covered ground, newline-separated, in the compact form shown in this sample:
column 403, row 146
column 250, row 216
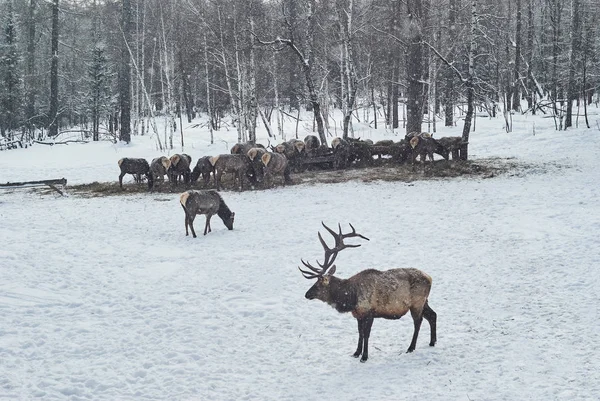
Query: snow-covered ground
column 106, row 299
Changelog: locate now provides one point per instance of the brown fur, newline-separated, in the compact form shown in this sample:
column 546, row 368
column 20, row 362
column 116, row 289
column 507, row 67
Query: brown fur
column 276, row 163
column 371, row 293
column 238, row 165
column 159, row 167
column 137, row 168
column 208, row 203
column 180, row 167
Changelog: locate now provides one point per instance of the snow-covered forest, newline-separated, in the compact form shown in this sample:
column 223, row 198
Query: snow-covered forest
column 104, row 297
column 106, row 68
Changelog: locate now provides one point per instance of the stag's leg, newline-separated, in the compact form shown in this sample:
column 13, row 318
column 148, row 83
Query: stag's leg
column 367, row 323
column 121, row 179
column 207, row 224
column 431, row 317
column 186, row 221
column 359, row 348
column 417, row 316
column 191, row 222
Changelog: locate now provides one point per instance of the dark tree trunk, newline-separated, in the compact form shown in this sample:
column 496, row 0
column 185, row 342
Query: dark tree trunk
column 30, row 69
column 575, row 48
column 53, row 113
column 530, row 36
column 414, row 61
column 125, row 75
column 516, row 98
column 449, row 76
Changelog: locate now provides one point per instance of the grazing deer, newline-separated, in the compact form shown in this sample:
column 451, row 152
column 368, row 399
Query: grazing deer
column 258, row 168
column 208, row 203
column 276, row 163
column 371, row 293
column 159, row 167
column 239, row 165
column 137, row 168
column 294, row 151
column 341, row 151
column 425, row 146
column 243, row 148
column 180, row 166
column 311, row 145
column 204, row 168
column 453, row 144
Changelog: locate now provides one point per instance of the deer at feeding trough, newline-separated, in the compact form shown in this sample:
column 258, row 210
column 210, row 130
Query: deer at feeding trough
column 371, row 293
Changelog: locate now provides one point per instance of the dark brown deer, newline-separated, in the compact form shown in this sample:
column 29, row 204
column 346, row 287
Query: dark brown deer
column 180, row 166
column 258, row 168
column 294, row 151
column 276, row 163
column 453, row 144
column 243, row 148
column 159, row 167
column 341, row 151
column 311, row 145
column 371, row 293
column 238, row 165
column 204, row 168
column 208, row 203
column 424, row 145
column 137, row 168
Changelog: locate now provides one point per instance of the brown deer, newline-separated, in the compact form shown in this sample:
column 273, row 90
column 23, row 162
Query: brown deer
column 371, row 293
column 137, row 168
column 159, row 167
column 208, row 203
column 243, row 148
column 180, row 166
column 204, row 168
column 276, row 163
column 238, row 165
column 454, row 144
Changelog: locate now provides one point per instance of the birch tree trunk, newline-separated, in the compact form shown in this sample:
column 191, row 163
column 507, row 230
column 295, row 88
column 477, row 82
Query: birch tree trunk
column 470, row 81
column 516, row 98
column 207, row 81
column 53, row 113
column 125, row 76
column 251, row 95
column 345, row 13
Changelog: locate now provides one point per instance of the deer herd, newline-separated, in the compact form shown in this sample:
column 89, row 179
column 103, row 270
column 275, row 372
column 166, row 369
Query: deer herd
column 367, row 295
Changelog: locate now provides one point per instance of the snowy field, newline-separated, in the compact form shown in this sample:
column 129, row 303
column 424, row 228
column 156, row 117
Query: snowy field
column 106, row 299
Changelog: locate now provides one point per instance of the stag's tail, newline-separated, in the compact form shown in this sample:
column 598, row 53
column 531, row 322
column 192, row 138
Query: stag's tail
column 183, row 198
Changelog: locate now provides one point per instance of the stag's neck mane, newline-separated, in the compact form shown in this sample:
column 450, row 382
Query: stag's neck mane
column 342, row 294
column 224, row 212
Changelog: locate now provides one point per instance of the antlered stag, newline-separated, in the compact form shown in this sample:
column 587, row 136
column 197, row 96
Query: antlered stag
column 208, row 203
column 371, row 293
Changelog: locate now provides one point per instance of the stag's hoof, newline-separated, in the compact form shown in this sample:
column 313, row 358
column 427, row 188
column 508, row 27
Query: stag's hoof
column 363, row 360
column 356, row 354
column 432, row 344
column 410, row 350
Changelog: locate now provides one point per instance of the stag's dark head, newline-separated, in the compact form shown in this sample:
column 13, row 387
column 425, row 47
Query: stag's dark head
column 321, row 290
column 229, row 221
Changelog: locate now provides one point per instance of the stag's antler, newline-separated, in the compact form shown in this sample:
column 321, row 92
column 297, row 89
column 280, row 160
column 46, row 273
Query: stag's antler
column 330, row 253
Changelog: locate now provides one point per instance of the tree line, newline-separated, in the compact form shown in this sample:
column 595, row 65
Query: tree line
column 112, row 67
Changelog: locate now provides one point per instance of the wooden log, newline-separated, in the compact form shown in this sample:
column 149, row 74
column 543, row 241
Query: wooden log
column 26, row 184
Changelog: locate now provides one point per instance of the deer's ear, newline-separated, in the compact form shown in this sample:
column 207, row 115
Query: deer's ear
column 331, row 271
